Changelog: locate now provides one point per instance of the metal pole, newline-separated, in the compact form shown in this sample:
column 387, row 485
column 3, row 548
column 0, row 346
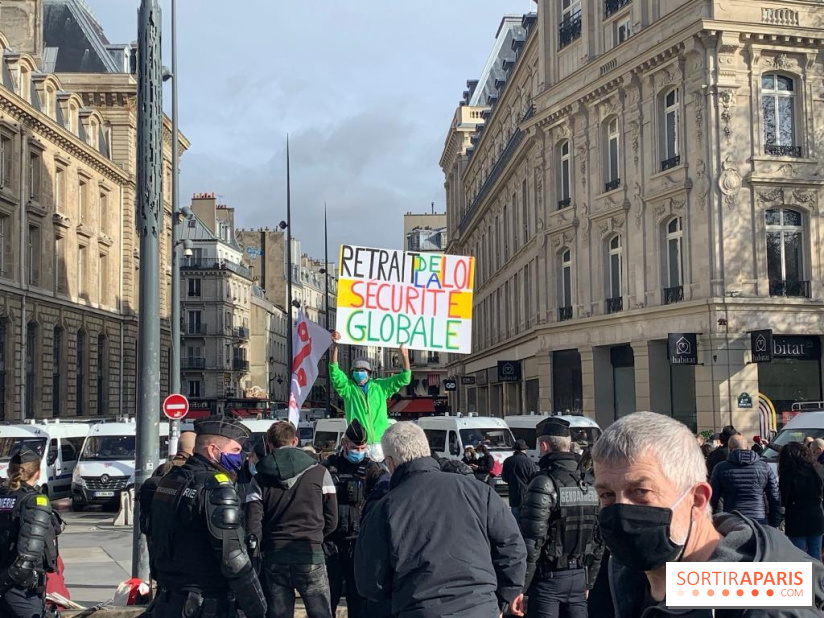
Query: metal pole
column 174, row 426
column 289, row 271
column 150, row 225
column 326, row 301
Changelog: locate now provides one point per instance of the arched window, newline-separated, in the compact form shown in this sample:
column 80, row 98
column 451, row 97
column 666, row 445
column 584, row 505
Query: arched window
column 785, row 253
column 674, row 267
column 564, row 175
column 778, row 107
column 672, row 121
column 612, row 150
column 615, row 258
column 565, row 286
column 57, row 362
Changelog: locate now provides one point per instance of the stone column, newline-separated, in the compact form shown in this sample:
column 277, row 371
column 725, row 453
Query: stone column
column 640, row 350
column 545, row 397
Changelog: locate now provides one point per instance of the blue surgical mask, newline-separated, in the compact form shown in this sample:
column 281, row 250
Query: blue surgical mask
column 231, row 461
column 355, row 456
column 253, row 469
column 360, row 376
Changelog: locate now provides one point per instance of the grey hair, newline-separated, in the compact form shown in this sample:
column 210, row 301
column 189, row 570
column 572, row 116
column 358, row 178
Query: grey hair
column 670, row 442
column 557, row 444
column 404, row 442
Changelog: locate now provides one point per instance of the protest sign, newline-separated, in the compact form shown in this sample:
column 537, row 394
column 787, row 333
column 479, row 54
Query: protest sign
column 423, row 300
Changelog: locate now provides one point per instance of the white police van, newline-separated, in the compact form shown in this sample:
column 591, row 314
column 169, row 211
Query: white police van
column 107, row 464
column 60, row 442
column 808, row 421
column 583, row 430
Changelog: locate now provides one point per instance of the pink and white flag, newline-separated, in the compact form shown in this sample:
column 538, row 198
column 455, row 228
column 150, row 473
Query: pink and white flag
column 309, row 343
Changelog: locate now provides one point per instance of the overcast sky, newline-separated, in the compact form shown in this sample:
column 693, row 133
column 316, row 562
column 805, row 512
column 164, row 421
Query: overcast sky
column 366, row 89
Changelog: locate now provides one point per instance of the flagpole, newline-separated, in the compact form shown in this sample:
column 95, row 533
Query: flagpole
column 289, row 342
column 326, row 307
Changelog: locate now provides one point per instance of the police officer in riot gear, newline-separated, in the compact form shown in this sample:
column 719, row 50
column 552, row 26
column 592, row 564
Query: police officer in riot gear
column 348, row 469
column 28, row 545
column 197, row 539
column 559, row 517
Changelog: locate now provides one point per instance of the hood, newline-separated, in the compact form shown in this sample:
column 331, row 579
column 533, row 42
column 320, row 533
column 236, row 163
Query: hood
column 285, row 465
column 743, row 457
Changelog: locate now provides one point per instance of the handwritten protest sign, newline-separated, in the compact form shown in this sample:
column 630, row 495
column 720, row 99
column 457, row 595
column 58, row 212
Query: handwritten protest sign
column 423, row 300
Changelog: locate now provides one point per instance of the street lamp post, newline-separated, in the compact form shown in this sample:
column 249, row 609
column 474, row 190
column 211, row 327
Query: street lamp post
column 326, row 306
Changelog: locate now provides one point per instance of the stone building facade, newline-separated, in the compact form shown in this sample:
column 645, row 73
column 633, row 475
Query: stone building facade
column 646, row 168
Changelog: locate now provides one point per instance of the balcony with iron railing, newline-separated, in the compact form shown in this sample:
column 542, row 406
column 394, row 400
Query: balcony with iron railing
column 614, row 305
column 613, row 6
column 673, row 295
column 193, row 362
column 774, row 150
column 240, row 364
column 240, row 332
column 564, row 314
column 196, row 329
column 569, row 30
column 791, row 289
column 670, row 163
column 212, row 264
column 612, row 185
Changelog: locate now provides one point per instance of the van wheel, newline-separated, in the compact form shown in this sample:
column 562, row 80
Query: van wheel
column 77, row 505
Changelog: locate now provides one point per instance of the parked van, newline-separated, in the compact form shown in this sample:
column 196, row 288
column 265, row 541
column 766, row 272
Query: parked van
column 584, row 431
column 449, row 435
column 328, row 434
column 107, row 463
column 61, row 443
column 797, row 428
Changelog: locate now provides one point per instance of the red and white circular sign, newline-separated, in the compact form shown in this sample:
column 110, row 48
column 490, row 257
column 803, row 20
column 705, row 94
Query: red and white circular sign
column 175, row 406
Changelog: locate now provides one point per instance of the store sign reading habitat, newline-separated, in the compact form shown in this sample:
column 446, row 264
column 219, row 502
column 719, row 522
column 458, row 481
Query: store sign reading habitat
column 422, row 300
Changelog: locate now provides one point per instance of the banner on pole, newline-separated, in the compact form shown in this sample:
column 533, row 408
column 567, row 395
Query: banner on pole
column 422, row 300
column 309, row 343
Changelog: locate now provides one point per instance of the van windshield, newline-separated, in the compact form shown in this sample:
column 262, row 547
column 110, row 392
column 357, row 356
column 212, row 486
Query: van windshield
column 496, row 438
column 326, row 440
column 585, row 435
column 108, row 448
column 305, row 433
column 785, row 436
column 8, row 445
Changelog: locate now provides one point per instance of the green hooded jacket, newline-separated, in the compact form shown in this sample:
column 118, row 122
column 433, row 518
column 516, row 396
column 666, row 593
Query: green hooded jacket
column 370, row 410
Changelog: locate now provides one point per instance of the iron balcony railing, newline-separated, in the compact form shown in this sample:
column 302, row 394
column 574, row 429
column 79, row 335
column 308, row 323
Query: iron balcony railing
column 204, row 264
column 774, row 150
column 668, row 164
column 615, row 305
column 239, row 364
column 612, row 185
column 673, row 294
column 564, row 203
column 613, row 6
column 569, row 30
column 797, row 289
column 240, row 332
column 564, row 314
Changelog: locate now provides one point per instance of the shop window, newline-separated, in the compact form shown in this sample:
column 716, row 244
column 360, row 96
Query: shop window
column 785, row 253
column 623, row 376
column 779, row 112
column 567, row 382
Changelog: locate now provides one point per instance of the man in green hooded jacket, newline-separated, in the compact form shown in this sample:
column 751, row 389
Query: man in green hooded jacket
column 364, row 398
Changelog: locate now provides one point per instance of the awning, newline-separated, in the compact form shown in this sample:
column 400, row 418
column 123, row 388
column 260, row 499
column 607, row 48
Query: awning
column 419, row 405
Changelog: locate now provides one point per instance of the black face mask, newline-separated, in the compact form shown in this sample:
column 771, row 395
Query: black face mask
column 639, row 536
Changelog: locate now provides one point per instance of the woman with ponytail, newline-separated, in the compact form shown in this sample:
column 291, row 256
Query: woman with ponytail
column 28, row 545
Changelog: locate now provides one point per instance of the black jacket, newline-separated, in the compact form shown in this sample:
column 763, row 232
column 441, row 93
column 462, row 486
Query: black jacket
column 485, row 464
column 716, row 457
column 518, row 471
column 350, row 487
column 801, row 493
column 742, row 482
column 744, row 541
column 297, row 508
column 440, row 545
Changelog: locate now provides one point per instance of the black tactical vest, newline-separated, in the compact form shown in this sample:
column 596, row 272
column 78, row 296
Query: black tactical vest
column 570, row 540
column 350, row 486
column 10, row 509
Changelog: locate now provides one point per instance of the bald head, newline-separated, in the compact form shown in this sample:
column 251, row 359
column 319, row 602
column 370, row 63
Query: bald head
column 737, row 442
column 186, row 443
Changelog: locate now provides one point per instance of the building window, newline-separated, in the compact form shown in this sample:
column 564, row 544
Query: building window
column 35, row 165
column 565, row 286
column 506, row 234
column 525, row 209
column 103, row 211
column 564, row 171
column 497, row 242
column 527, row 297
column 785, row 253
column 31, row 367
column 194, row 287
column 5, row 245
column 102, row 362
column 778, row 105
column 59, row 188
column 623, row 30
column 570, row 28
column 34, row 255
column 57, row 362
column 195, row 326
column 614, row 262
column 82, row 197
column 3, row 351
column 81, row 271
column 6, row 161
column 80, row 374
column 613, row 169
column 671, row 126
column 61, row 280
column 194, row 388
column 102, row 276
column 674, row 282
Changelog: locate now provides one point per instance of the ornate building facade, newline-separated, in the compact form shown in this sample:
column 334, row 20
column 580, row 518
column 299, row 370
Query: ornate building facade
column 646, row 168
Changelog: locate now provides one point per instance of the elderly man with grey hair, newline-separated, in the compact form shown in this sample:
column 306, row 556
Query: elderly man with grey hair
column 652, row 485
column 438, row 544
